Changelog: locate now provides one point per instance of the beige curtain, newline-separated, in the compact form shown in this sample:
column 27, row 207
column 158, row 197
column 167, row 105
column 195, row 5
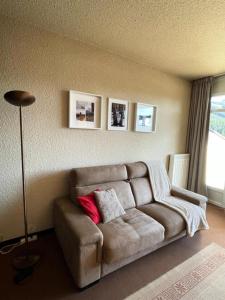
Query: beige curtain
column 197, row 135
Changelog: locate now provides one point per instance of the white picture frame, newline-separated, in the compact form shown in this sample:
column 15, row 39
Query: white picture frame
column 84, row 110
column 118, row 114
column 145, row 117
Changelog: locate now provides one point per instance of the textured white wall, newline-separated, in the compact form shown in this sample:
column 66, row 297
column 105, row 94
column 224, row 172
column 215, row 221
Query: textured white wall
column 48, row 66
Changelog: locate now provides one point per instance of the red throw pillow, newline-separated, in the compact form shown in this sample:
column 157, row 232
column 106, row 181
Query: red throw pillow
column 88, row 204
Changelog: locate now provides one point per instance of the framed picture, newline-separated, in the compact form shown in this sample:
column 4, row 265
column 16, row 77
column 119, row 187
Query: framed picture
column 117, row 114
column 84, row 110
column 145, row 117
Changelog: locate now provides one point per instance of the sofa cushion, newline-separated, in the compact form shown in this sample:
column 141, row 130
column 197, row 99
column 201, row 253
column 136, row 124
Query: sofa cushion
column 88, row 204
column 109, row 205
column 137, row 170
column 142, row 190
column 122, row 188
column 129, row 234
column 98, row 174
column 172, row 221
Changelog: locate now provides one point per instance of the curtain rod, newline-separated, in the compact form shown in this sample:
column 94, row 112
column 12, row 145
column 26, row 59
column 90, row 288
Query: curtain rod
column 214, row 76
column 219, row 75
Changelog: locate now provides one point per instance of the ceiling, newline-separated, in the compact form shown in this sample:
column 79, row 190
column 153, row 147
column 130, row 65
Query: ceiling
column 182, row 37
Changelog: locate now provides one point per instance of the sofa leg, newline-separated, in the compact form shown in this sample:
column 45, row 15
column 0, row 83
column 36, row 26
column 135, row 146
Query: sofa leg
column 88, row 286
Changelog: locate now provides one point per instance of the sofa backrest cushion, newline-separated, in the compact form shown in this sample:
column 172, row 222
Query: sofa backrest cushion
column 122, row 188
column 98, row 174
column 141, row 190
column 137, row 170
column 85, row 180
column 140, row 184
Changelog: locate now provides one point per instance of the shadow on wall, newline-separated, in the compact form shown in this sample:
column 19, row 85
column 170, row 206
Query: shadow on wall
column 11, row 213
column 64, row 98
column 42, row 190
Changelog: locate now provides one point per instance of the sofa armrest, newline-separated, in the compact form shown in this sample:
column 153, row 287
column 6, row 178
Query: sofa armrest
column 81, row 241
column 192, row 197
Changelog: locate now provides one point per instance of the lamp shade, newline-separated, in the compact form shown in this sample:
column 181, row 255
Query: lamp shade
column 19, row 98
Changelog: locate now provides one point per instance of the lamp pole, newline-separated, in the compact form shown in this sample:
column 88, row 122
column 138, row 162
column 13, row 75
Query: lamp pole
column 20, row 99
column 23, row 178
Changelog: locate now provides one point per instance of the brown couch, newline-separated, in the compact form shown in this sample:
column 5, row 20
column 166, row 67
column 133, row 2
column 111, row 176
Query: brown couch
column 93, row 251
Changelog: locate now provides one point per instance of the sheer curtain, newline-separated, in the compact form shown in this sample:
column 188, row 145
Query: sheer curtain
column 215, row 173
column 197, row 136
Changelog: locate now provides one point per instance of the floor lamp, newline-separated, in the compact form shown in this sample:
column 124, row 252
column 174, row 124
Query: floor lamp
column 20, row 99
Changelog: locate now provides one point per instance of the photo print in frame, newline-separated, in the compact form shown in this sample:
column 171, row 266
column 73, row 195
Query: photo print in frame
column 145, row 117
column 84, row 110
column 117, row 114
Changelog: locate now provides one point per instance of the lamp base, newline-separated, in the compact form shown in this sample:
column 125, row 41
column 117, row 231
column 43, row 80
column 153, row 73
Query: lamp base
column 25, row 261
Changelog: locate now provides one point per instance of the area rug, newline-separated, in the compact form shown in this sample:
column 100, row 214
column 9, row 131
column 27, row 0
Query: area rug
column 200, row 277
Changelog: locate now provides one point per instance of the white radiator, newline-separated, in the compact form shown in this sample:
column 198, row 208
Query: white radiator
column 178, row 169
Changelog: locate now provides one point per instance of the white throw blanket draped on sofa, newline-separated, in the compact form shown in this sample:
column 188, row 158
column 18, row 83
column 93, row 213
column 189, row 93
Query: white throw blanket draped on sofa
column 194, row 215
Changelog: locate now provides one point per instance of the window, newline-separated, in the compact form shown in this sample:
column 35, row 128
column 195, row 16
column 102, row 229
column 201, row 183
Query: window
column 215, row 176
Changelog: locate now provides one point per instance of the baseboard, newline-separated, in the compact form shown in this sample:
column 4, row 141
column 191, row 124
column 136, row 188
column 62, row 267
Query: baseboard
column 215, row 203
column 17, row 239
